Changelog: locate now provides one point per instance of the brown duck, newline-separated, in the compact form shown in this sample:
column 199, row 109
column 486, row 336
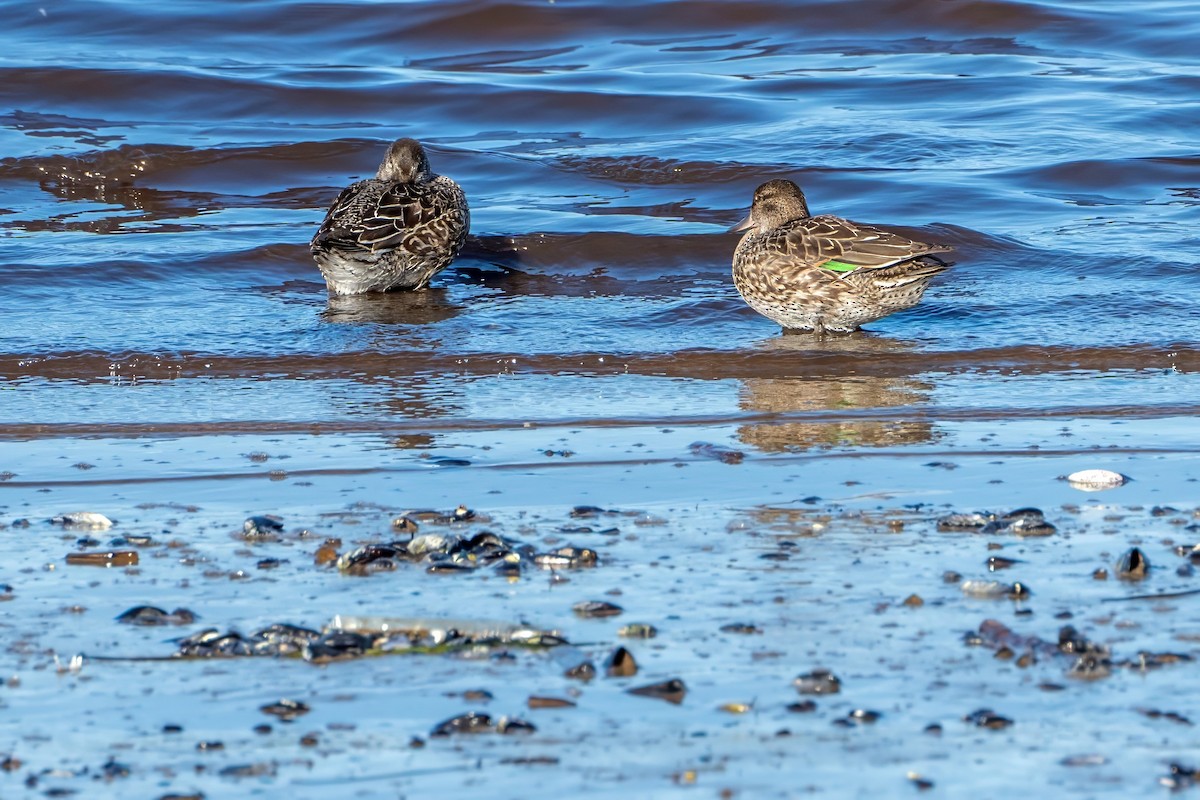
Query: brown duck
column 824, row 273
column 394, row 231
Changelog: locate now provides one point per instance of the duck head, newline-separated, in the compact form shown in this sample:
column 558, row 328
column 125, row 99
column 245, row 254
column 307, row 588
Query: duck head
column 775, row 202
column 405, row 161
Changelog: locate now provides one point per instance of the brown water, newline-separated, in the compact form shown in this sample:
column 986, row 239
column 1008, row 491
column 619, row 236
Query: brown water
column 163, row 165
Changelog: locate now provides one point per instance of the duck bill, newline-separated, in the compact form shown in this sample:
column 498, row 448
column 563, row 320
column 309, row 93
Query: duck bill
column 744, row 225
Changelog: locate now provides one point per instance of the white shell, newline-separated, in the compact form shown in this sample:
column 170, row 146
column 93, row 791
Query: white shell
column 430, row 543
column 973, row 588
column 1096, row 480
column 84, row 519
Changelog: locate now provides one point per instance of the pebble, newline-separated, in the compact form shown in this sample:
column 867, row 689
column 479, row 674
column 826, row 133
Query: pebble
column 584, row 671
column 1179, row 777
column 1133, row 565
column 509, row 725
column 593, row 609
column 986, row 718
column 673, row 691
column 286, row 710
column 471, row 722
column 535, row 701
column 265, row 526
column 637, row 630
column 620, row 664
column 819, row 681
column 150, row 615
column 113, row 558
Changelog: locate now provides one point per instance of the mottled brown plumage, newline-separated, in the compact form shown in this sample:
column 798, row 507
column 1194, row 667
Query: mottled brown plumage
column 825, row 273
column 394, row 231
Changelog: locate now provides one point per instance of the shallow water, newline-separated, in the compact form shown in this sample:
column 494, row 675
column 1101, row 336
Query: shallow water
column 163, row 166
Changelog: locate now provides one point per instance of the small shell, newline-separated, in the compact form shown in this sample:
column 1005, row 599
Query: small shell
column 89, row 520
column 1096, row 480
column 995, row 589
column 431, row 543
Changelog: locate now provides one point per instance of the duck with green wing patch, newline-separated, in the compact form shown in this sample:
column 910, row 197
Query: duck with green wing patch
column 825, row 274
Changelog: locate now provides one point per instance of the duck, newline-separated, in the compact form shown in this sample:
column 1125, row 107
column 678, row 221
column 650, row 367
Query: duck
column 825, row 274
column 394, row 231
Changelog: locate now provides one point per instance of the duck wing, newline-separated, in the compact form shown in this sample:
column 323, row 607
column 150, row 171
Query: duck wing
column 377, row 215
column 840, row 245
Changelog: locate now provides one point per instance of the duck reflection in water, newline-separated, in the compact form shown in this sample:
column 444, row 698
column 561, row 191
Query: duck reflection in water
column 846, row 397
column 428, row 307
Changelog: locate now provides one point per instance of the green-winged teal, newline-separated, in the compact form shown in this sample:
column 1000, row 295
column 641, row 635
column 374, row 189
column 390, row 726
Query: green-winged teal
column 394, row 231
column 825, row 273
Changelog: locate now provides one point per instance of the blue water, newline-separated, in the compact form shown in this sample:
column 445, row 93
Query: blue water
column 163, row 166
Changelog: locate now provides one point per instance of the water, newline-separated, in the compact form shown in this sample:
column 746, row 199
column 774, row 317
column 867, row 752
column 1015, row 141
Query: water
column 162, row 167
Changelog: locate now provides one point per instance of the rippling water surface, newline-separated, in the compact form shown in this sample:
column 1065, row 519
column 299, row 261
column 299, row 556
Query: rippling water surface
column 163, row 165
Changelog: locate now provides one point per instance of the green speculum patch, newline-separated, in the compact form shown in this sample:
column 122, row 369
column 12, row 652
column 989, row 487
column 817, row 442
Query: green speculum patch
column 839, row 266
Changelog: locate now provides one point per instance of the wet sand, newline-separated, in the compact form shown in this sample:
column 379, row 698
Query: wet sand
column 813, row 553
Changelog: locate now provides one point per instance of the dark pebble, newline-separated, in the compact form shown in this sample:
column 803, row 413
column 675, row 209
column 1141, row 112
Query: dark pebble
column 265, row 526
column 584, row 512
column 471, row 722
column 449, row 568
column 405, row 525
column 673, row 691
column 451, row 462
column 986, row 718
column 286, row 710
column 1132, row 565
column 581, row 672
column 863, row 716
column 150, row 615
column 819, row 681
column 1179, row 777
column 257, row 770
column 638, row 630
column 510, row 725
column 620, row 664
column 592, row 609
column 535, row 701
